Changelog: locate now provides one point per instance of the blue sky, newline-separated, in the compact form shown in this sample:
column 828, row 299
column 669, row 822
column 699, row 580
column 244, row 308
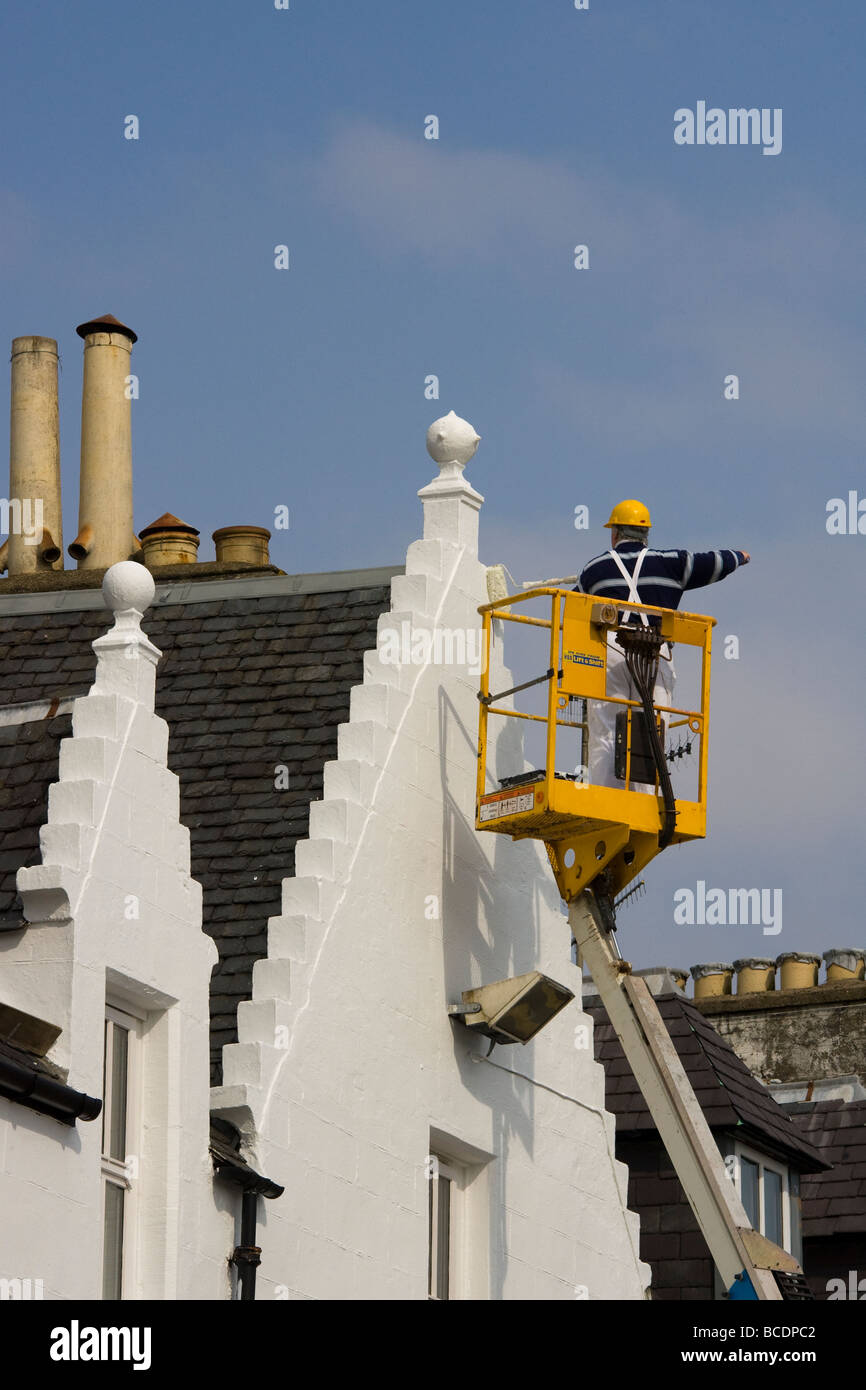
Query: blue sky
column 408, row 257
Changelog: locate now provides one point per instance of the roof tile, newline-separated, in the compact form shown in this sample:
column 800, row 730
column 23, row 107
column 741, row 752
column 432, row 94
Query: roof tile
column 833, row 1202
column 245, row 684
column 729, row 1095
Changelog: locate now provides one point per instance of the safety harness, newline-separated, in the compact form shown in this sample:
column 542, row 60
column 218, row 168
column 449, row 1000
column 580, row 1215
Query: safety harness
column 642, row 649
column 631, row 579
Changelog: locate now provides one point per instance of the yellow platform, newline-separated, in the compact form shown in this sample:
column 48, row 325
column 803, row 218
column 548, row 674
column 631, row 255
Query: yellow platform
column 588, row 830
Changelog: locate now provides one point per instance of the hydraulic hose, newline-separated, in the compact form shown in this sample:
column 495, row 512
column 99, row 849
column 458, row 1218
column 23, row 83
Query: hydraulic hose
column 642, row 648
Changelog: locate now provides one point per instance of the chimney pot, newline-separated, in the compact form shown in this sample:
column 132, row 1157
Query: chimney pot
column 661, row 979
column 107, row 323
column 169, row 541
column 755, row 975
column 246, row 545
column 845, row 963
column 797, row 970
column 712, row 980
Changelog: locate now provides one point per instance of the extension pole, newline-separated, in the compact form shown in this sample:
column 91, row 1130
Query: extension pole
column 674, row 1108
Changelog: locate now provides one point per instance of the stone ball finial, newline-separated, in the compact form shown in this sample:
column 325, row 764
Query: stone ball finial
column 128, row 585
column 452, row 440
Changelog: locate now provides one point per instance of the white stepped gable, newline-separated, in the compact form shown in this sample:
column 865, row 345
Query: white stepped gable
column 366, row 747
column 345, row 1053
column 113, row 907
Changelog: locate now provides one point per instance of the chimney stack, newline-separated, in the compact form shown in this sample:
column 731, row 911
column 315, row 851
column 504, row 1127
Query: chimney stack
column 105, row 533
column 35, row 520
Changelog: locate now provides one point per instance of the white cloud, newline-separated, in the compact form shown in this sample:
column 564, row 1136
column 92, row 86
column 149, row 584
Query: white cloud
column 464, row 205
column 414, row 195
column 699, row 295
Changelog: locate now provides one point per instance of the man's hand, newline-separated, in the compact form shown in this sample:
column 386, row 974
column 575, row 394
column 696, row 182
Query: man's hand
column 746, row 556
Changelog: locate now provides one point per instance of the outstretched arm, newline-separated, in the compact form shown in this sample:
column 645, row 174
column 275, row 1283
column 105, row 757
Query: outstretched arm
column 702, row 567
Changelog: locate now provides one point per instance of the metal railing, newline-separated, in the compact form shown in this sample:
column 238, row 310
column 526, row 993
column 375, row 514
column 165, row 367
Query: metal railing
column 594, row 620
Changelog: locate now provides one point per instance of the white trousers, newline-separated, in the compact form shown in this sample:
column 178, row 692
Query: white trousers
column 602, row 717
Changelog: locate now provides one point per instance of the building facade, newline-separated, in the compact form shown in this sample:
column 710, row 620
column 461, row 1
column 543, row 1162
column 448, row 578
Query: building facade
column 241, row 888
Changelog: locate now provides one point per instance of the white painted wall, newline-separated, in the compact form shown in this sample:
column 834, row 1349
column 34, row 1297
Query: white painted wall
column 347, row 1061
column 113, row 907
column 348, row 1068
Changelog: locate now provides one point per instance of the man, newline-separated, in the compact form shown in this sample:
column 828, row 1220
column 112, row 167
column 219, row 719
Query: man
column 630, row 571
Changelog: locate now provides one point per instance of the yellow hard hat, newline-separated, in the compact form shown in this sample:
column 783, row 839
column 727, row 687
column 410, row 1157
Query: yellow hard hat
column 629, row 513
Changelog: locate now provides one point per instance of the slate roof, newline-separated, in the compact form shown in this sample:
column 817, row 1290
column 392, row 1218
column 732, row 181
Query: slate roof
column 728, row 1094
column 29, row 755
column 246, row 684
column 834, row 1203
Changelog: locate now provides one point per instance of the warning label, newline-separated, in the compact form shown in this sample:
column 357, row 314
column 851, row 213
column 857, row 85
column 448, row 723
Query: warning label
column 585, row 659
column 507, row 806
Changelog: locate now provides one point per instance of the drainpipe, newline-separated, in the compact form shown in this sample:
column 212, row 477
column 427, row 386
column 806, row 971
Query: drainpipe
column 233, row 1167
column 246, row 1256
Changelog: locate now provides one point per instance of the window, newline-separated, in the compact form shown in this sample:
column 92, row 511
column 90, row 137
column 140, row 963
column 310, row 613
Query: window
column 445, row 1227
column 459, row 1200
column 764, row 1190
column 119, row 1141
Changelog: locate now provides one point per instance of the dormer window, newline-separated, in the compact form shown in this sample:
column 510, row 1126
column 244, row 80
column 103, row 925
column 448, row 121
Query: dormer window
column 764, row 1187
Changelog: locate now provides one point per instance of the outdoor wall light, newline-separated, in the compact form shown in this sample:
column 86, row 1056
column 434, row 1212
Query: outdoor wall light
column 512, row 1010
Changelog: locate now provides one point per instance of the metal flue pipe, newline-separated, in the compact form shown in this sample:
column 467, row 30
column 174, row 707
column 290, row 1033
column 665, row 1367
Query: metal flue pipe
column 105, row 533
column 35, row 521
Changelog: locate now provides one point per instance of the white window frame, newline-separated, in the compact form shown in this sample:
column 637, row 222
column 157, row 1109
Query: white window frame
column 763, row 1162
column 123, row 1173
column 441, row 1166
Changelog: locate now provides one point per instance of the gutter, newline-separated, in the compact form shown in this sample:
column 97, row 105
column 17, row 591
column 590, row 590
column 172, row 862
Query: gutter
column 22, row 1081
